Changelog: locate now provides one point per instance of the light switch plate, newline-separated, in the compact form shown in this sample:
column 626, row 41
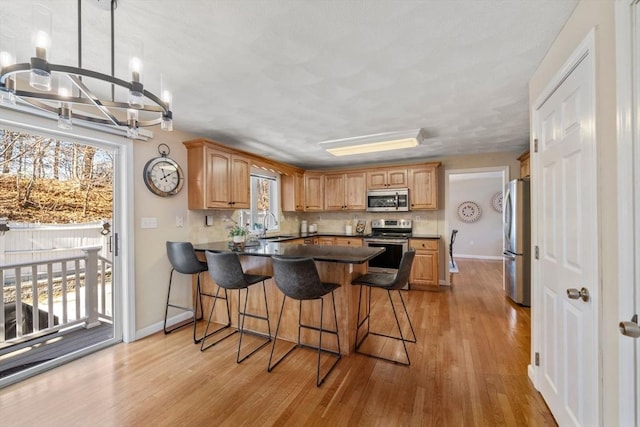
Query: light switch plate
column 149, row 222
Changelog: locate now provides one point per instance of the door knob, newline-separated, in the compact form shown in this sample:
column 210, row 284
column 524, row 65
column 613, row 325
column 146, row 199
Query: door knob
column 574, row 293
column 630, row 328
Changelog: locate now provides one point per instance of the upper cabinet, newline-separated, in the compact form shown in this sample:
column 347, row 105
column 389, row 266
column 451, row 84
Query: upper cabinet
column 423, row 186
column 313, row 192
column 387, row 178
column 293, row 192
column 345, row 191
column 524, row 165
column 217, row 179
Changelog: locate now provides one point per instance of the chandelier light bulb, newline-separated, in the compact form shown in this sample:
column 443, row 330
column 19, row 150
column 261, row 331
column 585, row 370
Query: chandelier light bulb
column 136, row 95
column 64, row 116
column 136, row 69
column 40, row 77
column 42, row 42
column 6, row 58
column 166, row 124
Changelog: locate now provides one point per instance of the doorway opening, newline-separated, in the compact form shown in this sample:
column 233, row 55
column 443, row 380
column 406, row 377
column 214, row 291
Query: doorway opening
column 473, row 207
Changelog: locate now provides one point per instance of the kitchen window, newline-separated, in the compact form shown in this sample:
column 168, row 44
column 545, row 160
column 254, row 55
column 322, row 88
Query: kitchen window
column 264, row 202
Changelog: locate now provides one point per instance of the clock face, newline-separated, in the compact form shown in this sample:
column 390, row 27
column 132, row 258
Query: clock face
column 163, row 176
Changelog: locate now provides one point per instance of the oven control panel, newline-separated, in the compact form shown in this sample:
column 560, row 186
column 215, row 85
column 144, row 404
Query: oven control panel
column 392, row 223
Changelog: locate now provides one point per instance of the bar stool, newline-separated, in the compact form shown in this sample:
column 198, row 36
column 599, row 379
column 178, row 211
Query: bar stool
column 389, row 282
column 298, row 279
column 225, row 269
column 183, row 259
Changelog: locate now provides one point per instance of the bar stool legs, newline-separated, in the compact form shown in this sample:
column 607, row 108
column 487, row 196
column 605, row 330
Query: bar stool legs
column 242, row 315
column 320, row 329
column 227, row 325
column 194, row 310
column 367, row 320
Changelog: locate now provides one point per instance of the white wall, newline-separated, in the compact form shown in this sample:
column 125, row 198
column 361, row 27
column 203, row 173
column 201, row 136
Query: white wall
column 482, row 238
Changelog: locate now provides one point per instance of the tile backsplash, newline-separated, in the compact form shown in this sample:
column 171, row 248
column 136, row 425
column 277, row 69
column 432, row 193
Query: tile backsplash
column 424, row 222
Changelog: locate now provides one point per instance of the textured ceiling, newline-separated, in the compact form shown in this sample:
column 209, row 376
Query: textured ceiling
column 278, row 77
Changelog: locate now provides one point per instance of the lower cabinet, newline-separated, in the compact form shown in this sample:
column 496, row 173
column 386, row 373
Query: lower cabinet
column 340, row 241
column 327, row 241
column 348, row 241
column 424, row 273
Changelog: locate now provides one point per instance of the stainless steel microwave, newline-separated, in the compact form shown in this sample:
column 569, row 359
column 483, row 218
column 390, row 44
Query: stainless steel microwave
column 389, row 200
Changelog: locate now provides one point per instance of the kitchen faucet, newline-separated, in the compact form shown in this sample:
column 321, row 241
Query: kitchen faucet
column 265, row 220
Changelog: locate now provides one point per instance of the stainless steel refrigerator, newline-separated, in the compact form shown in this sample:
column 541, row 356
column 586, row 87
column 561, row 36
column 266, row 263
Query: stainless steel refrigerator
column 517, row 241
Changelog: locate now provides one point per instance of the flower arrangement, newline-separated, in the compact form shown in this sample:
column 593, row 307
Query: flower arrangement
column 237, row 230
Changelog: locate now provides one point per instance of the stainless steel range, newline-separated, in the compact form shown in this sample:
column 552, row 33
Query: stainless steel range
column 393, row 235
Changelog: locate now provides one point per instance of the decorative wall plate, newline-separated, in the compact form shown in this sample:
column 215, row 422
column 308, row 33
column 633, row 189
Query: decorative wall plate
column 496, row 201
column 469, row 211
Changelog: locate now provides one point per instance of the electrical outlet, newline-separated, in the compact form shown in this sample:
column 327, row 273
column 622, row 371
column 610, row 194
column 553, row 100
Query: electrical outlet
column 179, row 221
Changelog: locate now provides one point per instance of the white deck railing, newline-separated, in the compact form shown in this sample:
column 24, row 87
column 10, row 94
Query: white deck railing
column 72, row 291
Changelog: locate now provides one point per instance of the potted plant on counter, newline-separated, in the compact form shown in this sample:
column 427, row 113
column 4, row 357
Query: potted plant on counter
column 238, row 233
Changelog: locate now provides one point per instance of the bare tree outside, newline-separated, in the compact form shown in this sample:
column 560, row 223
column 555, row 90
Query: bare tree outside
column 53, row 181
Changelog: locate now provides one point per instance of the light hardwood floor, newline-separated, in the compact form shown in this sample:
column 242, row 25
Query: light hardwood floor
column 469, row 368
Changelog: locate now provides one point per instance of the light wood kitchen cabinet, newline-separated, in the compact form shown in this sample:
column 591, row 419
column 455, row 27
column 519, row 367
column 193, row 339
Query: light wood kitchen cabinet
column 424, row 272
column 386, row 178
column 217, row 179
column 293, row 192
column 423, row 186
column 326, row 241
column 313, row 192
column 355, row 242
column 345, row 191
column 525, row 169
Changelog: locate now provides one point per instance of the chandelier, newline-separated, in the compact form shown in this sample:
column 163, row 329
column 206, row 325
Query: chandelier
column 33, row 83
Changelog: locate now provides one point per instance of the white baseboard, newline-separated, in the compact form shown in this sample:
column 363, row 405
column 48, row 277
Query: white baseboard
column 488, row 257
column 157, row 327
column 531, row 371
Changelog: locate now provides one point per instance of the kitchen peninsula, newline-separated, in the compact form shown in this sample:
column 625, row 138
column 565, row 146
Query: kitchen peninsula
column 336, row 264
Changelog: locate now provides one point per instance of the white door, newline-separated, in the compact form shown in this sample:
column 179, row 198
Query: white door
column 628, row 93
column 567, row 235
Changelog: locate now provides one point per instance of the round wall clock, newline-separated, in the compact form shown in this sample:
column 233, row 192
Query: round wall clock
column 469, row 211
column 496, row 201
column 162, row 175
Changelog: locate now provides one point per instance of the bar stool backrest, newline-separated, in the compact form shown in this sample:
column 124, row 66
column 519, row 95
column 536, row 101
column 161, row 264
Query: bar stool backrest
column 183, row 258
column 225, row 269
column 404, row 271
column 298, row 278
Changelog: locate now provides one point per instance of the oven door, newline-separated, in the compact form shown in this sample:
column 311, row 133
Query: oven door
column 389, row 260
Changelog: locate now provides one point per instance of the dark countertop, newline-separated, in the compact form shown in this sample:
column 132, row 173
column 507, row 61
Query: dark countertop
column 424, row 236
column 342, row 254
column 293, row 236
column 323, row 234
